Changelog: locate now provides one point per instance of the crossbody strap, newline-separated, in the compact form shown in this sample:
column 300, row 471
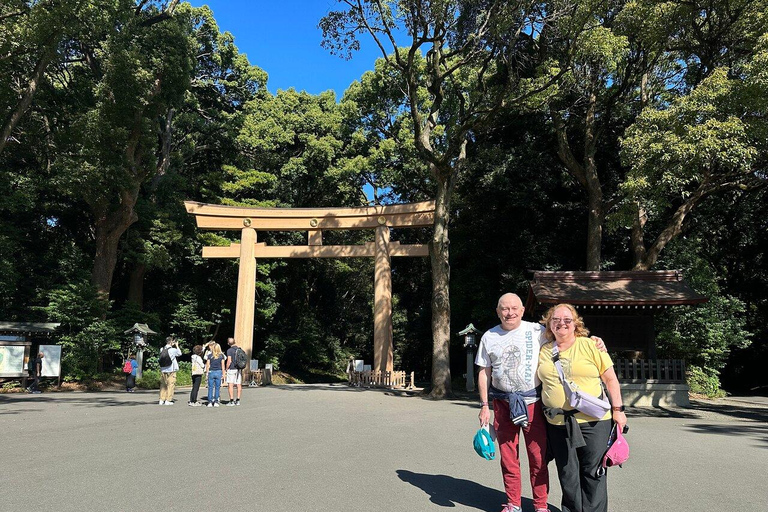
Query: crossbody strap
column 556, row 360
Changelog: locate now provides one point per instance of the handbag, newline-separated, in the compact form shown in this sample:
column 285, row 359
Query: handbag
column 583, row 402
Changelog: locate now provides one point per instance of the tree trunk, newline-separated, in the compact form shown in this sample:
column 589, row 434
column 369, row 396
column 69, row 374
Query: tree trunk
column 595, row 228
column 110, row 226
column 596, row 216
column 636, row 237
column 586, row 174
column 441, row 277
column 673, row 228
column 136, row 285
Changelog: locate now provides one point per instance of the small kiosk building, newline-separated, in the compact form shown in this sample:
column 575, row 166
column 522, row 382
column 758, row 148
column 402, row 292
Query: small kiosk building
column 620, row 308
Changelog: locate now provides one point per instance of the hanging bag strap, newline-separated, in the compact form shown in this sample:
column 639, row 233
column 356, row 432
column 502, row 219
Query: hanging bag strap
column 559, row 366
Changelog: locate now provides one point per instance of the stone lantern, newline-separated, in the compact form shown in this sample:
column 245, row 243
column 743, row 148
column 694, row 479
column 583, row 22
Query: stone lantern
column 140, row 334
column 470, row 343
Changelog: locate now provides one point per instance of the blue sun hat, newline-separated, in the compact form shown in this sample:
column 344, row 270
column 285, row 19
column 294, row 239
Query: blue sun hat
column 484, row 444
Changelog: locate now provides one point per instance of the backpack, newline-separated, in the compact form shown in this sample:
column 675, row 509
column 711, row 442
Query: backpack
column 165, row 358
column 241, row 360
column 127, row 367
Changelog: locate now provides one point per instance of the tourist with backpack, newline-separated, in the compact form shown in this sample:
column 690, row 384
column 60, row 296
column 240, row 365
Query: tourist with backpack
column 35, row 369
column 236, row 361
column 129, row 368
column 214, row 364
column 168, row 368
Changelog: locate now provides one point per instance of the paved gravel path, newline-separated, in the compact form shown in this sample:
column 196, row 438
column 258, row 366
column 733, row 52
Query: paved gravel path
column 335, row 448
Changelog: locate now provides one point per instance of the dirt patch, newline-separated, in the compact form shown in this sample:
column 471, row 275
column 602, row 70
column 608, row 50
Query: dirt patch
column 285, row 378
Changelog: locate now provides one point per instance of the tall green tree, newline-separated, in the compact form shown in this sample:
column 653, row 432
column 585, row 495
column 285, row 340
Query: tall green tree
column 197, row 141
column 706, row 142
column 460, row 63
column 32, row 38
column 635, row 56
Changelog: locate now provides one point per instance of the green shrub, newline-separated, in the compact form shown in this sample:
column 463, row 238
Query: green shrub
column 152, row 362
column 14, row 384
column 704, row 382
column 184, row 375
column 150, row 379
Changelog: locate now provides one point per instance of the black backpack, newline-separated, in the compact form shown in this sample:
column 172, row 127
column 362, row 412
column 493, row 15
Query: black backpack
column 241, row 360
column 165, row 358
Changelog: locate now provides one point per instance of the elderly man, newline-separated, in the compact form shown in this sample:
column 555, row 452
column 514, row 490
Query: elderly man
column 508, row 357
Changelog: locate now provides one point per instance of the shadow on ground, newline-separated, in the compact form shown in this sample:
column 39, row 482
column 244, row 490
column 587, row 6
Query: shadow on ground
column 88, row 400
column 734, row 411
column 758, row 431
column 447, row 491
column 347, row 388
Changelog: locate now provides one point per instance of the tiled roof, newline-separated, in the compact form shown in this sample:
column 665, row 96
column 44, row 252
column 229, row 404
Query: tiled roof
column 28, row 327
column 641, row 288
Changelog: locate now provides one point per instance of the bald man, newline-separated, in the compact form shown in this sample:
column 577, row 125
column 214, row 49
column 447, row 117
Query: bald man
column 508, row 357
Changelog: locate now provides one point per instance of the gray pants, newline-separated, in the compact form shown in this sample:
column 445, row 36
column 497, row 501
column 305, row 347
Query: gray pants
column 583, row 490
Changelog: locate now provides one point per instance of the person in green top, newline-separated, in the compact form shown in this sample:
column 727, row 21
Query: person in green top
column 585, row 368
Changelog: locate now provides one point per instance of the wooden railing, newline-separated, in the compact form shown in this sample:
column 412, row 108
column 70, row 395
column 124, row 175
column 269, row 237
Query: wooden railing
column 379, row 379
column 650, row 370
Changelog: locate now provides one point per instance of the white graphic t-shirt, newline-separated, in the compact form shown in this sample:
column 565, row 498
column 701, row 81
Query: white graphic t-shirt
column 514, row 357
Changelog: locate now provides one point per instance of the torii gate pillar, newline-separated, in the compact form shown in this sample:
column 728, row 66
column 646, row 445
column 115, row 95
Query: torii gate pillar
column 382, row 299
column 246, row 293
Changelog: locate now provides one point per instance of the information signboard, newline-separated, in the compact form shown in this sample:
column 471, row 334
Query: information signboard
column 51, row 360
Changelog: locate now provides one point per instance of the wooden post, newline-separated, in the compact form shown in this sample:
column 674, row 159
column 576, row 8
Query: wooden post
column 246, row 294
column 382, row 296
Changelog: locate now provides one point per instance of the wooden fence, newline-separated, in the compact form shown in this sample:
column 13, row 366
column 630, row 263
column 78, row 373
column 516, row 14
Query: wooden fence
column 379, row 379
column 650, row 370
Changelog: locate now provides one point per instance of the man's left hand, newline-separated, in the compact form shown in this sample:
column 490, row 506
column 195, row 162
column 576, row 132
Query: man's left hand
column 599, row 343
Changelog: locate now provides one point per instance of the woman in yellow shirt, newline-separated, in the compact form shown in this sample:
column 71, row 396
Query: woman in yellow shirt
column 577, row 440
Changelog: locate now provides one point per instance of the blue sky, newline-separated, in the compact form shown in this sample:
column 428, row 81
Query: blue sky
column 282, row 38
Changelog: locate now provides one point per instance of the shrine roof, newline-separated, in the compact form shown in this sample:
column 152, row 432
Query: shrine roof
column 28, row 327
column 611, row 288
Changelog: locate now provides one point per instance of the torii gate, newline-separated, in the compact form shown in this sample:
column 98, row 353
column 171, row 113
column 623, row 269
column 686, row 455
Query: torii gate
column 314, row 220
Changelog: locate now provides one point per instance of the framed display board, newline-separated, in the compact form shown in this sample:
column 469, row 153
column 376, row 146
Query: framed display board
column 12, row 360
column 51, row 360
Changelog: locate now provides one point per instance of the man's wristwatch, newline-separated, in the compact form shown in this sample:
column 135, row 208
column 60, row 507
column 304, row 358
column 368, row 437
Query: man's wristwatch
column 618, row 408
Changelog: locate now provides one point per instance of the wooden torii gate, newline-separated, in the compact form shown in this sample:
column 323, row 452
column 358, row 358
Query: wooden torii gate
column 314, row 221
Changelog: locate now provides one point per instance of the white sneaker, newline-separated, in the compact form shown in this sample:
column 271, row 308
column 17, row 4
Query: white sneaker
column 168, row 402
column 190, row 404
column 210, row 404
column 215, row 404
column 230, row 404
column 161, row 402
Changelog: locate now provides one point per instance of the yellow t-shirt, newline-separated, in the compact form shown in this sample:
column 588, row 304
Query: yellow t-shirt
column 582, row 366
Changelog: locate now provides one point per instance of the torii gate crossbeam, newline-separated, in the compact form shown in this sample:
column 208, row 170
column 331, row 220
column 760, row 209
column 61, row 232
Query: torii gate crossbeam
column 314, row 220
